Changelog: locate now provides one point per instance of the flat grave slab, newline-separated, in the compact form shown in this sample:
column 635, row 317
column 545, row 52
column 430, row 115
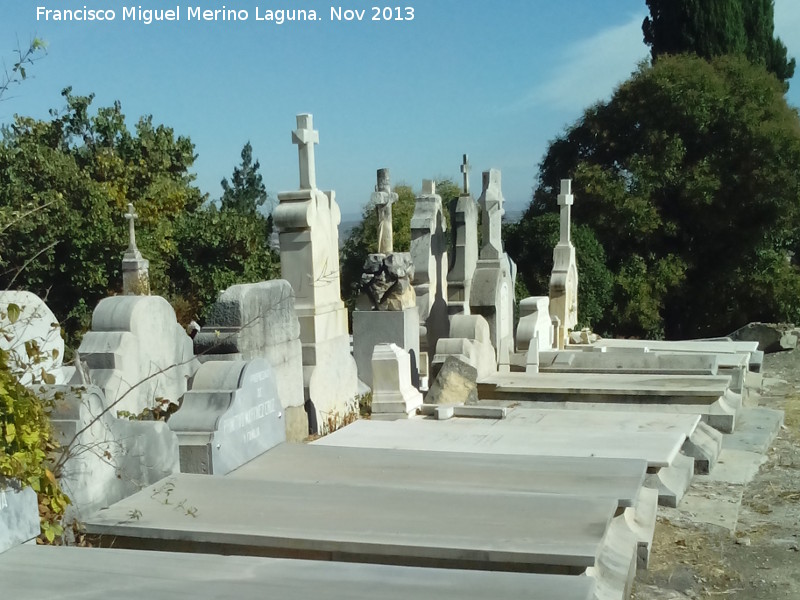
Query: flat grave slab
column 683, row 388
column 619, row 479
column 643, row 363
column 99, row 574
column 750, row 349
column 708, row 396
column 542, row 533
column 579, row 419
column 658, row 449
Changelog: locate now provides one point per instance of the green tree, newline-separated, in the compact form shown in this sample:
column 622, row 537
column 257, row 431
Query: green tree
column 689, row 177
column 73, row 176
column 712, row 28
column 246, row 192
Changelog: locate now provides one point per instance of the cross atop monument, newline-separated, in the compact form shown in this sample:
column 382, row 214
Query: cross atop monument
column 465, row 169
column 383, row 198
column 565, row 201
column 305, row 137
column 131, row 216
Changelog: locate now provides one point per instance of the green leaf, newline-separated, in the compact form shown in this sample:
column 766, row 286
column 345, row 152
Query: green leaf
column 13, row 312
column 11, row 432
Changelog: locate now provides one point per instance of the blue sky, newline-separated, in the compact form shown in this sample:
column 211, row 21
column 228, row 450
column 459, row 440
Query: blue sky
column 496, row 80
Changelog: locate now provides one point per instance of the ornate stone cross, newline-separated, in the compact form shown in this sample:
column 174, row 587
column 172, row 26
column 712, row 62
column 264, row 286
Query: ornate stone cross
column 131, row 216
column 465, row 169
column 383, row 198
column 305, row 137
column 565, row 201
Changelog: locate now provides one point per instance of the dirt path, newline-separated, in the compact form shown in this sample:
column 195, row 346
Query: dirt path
column 753, row 553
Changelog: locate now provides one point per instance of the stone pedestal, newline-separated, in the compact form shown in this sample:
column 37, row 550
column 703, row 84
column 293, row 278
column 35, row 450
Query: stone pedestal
column 371, row 328
column 393, row 396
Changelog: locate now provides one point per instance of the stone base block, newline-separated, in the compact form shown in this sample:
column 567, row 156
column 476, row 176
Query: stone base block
column 673, row 481
column 704, row 445
column 371, row 328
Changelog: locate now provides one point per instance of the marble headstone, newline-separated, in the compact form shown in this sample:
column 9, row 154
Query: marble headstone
column 231, row 415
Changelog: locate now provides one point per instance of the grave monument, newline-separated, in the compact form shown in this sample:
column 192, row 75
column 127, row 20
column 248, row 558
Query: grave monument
column 308, row 224
column 564, row 277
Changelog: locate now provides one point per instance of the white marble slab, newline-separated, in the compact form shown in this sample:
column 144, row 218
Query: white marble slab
column 659, row 449
column 619, row 479
column 44, row 573
column 486, row 531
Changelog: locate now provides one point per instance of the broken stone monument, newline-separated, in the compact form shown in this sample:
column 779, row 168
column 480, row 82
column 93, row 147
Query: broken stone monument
column 455, row 383
column 393, row 396
column 231, row 415
column 492, row 294
column 135, row 268
column 258, row 320
column 429, row 253
column 386, row 312
column 465, row 248
column 308, row 224
column 564, row 277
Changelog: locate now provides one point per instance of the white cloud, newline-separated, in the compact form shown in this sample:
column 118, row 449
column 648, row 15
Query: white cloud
column 590, row 69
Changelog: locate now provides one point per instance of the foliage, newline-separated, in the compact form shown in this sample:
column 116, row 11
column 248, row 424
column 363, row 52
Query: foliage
column 24, row 59
column 712, row 28
column 73, row 177
column 217, row 249
column 530, row 243
column 246, row 192
column 689, row 179
column 80, row 171
column 26, row 446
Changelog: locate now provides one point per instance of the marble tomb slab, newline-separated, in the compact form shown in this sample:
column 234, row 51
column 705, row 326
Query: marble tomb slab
column 709, row 396
column 620, row 479
column 488, row 531
column 99, row 574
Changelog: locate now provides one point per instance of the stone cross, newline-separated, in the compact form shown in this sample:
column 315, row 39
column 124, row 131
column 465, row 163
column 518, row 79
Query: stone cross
column 131, row 216
column 465, row 169
column 305, row 137
column 565, row 201
column 383, row 198
column 428, row 187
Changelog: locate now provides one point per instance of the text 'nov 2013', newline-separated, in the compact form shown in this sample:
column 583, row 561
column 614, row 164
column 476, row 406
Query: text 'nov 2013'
column 277, row 16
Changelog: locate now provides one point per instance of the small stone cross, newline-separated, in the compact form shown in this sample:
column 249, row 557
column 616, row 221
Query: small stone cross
column 131, row 216
column 465, row 169
column 565, row 201
column 305, row 137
